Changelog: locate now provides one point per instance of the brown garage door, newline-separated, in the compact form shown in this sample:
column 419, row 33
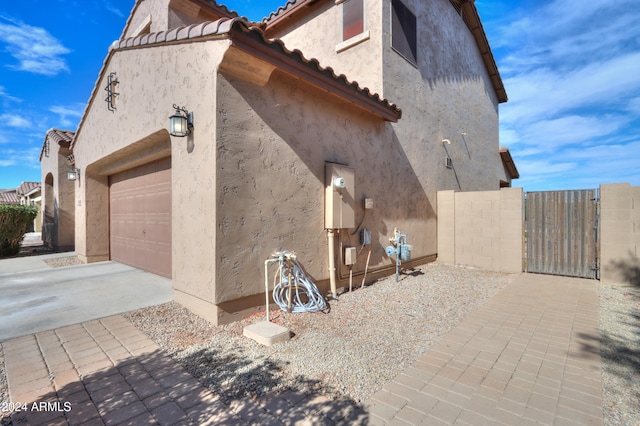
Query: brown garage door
column 140, row 217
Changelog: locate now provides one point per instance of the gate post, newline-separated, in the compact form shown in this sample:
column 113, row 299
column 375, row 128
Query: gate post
column 620, row 233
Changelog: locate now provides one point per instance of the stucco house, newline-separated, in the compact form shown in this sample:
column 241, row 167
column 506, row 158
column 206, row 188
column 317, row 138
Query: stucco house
column 9, row 196
column 30, row 194
column 27, row 194
column 320, row 130
column 58, row 193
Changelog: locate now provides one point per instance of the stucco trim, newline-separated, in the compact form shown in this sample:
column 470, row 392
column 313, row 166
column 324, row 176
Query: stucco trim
column 344, row 45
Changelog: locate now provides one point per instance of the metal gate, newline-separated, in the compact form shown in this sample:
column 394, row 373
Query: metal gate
column 562, row 233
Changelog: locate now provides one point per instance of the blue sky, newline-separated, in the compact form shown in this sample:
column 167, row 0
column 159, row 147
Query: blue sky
column 571, row 69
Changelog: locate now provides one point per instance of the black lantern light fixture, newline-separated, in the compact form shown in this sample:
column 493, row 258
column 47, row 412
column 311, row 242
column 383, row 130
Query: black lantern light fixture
column 181, row 122
column 73, row 174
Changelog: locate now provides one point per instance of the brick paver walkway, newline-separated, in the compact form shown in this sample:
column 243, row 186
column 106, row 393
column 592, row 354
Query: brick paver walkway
column 531, row 355
column 108, row 372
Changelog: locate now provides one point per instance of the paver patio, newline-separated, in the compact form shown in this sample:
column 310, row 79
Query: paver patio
column 531, row 355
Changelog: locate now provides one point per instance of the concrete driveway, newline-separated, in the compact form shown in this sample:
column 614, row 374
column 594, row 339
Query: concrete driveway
column 35, row 297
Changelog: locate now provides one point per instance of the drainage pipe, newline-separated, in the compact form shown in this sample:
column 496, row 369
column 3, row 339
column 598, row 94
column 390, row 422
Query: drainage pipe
column 332, row 262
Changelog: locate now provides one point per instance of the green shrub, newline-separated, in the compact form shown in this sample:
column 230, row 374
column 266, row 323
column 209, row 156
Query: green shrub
column 14, row 223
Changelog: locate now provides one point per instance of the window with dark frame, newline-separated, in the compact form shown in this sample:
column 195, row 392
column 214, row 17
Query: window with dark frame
column 352, row 18
column 404, row 31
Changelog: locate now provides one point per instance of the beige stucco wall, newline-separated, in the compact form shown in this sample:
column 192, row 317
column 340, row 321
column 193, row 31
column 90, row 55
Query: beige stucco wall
column 273, row 143
column 250, row 179
column 162, row 15
column 57, row 200
column 482, row 229
column 447, row 96
column 150, row 80
column 151, row 13
column 320, row 34
column 449, row 92
column 620, row 233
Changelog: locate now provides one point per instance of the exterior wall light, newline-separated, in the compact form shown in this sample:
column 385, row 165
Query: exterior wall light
column 181, row 122
column 73, row 174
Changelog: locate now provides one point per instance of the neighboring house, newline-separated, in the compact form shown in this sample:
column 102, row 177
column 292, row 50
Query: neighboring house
column 399, row 99
column 58, row 195
column 30, row 195
column 9, row 196
column 27, row 194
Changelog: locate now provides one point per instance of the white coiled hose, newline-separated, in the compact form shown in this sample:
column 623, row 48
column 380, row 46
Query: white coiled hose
column 303, row 288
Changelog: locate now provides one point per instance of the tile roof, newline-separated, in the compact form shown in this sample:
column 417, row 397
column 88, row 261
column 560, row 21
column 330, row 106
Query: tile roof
column 211, row 4
column 59, row 136
column 282, row 9
column 26, row 187
column 221, row 29
column 224, row 8
column 9, row 196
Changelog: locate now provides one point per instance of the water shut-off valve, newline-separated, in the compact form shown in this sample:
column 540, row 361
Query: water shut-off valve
column 400, row 249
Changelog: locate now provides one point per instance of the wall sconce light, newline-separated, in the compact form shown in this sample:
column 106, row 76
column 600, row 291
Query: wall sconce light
column 181, row 122
column 73, row 174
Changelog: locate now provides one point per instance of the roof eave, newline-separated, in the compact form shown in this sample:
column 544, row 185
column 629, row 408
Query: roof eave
column 296, row 65
column 284, row 14
column 508, row 162
column 472, row 19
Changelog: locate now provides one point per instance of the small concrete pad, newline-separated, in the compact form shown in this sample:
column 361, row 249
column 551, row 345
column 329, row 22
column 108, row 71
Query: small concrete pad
column 266, row 333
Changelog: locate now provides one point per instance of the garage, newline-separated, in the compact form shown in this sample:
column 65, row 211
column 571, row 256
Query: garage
column 140, row 217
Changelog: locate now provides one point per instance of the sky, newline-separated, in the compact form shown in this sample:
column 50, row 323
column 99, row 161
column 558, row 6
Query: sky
column 571, row 69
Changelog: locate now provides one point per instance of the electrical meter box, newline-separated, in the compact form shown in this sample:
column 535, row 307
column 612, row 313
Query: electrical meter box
column 340, row 191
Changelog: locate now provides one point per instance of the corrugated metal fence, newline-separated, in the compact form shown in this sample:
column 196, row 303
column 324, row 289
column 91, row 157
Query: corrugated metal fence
column 562, row 232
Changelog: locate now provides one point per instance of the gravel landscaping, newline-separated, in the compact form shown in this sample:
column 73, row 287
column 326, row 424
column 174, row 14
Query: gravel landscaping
column 620, row 351
column 370, row 335
column 61, row 262
column 4, row 391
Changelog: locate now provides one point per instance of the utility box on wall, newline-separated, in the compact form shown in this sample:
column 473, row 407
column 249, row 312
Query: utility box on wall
column 340, row 189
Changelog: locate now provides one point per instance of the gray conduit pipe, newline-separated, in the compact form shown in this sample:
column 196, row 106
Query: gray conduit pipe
column 332, row 262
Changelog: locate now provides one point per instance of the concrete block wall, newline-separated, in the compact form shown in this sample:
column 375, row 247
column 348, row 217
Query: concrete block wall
column 482, row 229
column 620, row 233
column 446, row 202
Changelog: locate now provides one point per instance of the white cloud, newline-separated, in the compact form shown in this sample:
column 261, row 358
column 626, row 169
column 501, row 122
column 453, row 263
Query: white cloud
column 5, row 95
column 68, row 114
column 113, row 9
column 570, row 69
column 545, row 92
column 565, row 131
column 25, row 158
column 34, row 48
column 13, row 120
